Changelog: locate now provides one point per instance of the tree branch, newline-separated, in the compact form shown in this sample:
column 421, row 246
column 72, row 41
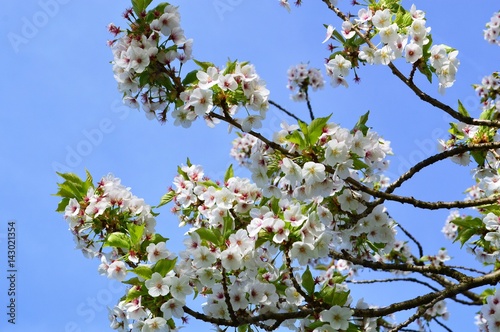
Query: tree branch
column 422, row 95
column 281, row 108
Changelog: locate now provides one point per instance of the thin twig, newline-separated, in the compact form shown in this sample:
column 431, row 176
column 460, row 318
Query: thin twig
column 281, row 108
column 420, row 249
column 442, row 325
column 309, row 107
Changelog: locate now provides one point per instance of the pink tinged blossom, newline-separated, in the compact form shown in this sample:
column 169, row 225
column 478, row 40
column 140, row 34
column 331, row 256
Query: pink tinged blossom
column 231, row 259
column 157, row 286
column 413, row 52
column 117, row 270
column 227, row 82
column 416, row 14
column 294, row 216
column 157, row 251
column 238, row 298
column 72, row 209
column 139, row 59
column 135, row 310
column 203, row 257
column 201, row 100
column 209, row 78
column 95, row 209
column 302, row 251
column 281, row 233
column 177, row 36
column 347, row 31
column 329, row 32
column 172, row 308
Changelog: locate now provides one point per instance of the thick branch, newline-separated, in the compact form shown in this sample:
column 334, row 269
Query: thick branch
column 418, row 203
column 438, row 157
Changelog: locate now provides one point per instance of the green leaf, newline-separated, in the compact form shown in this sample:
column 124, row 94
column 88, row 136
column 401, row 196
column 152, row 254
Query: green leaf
column 465, row 234
column 190, row 78
column 303, row 128
column 228, row 226
column 118, row 240
column 316, row 127
column 462, row 110
column 308, row 281
column 479, row 157
column 455, row 131
column 426, row 70
column 143, row 272
column 468, row 222
column 71, row 177
column 361, row 124
column 353, row 328
column 340, row 298
column 132, row 281
column 135, row 232
column 229, row 173
column 167, row 198
column 157, row 238
column 61, row 207
column 140, row 5
column 357, row 164
column 208, row 235
column 204, row 65
column 133, row 293
column 230, row 67
column 327, row 294
column 144, row 78
column 164, row 266
column 296, row 138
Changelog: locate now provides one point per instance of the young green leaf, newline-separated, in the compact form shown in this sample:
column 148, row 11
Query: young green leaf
column 164, row 266
column 143, row 272
column 118, row 240
column 308, row 281
column 167, row 198
column 229, row 173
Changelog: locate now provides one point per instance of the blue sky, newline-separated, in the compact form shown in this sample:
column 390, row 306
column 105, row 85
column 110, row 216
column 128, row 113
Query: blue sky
column 61, row 111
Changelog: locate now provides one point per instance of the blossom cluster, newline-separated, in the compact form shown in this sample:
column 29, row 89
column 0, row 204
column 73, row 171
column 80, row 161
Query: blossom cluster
column 345, row 153
column 234, row 87
column 300, row 77
column 108, row 207
column 140, row 54
column 237, row 231
column 402, row 34
column 492, row 31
